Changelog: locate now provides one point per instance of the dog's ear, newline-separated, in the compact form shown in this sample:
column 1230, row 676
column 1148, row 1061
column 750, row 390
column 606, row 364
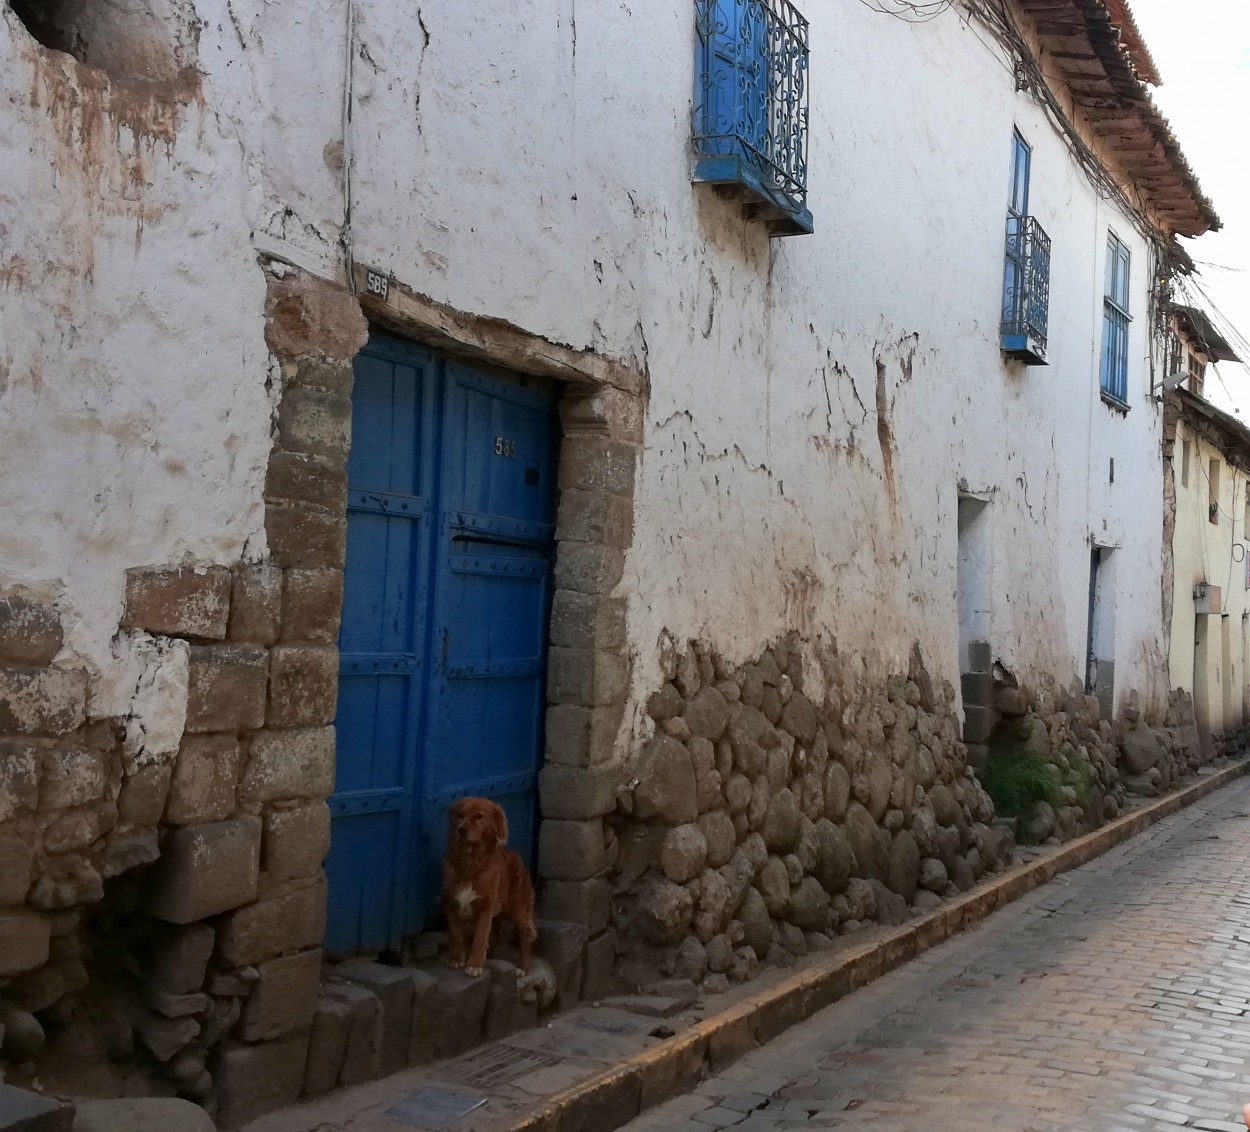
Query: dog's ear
column 501, row 826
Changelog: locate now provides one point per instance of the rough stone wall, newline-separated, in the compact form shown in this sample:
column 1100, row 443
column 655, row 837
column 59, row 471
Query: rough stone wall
column 764, row 822
column 161, row 894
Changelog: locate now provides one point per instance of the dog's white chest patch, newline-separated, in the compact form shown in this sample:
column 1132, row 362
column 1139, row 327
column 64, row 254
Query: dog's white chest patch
column 464, row 897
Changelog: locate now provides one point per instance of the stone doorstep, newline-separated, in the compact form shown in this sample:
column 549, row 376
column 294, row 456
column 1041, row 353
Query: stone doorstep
column 598, row 1067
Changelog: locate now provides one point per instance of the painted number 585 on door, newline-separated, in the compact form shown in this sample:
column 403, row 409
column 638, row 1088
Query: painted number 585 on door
column 505, row 447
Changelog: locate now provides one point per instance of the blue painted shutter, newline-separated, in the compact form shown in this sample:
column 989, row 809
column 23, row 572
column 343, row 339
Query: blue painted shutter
column 1017, row 215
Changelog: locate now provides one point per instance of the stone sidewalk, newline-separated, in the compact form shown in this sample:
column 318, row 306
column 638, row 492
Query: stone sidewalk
column 1116, row 997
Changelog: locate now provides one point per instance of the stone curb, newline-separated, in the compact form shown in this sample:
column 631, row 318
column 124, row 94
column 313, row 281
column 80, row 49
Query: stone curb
column 617, row 1095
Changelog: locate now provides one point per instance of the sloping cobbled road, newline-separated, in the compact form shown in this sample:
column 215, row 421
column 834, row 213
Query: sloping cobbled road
column 1116, row 997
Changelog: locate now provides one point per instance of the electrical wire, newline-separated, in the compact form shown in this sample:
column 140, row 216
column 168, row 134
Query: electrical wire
column 1224, row 323
column 910, row 11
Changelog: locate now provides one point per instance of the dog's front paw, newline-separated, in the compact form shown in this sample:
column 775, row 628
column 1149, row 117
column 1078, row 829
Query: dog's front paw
column 473, row 972
column 455, row 964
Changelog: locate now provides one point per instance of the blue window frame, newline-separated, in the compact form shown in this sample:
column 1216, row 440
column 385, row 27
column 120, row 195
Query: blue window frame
column 1113, row 372
column 750, row 108
column 1026, row 270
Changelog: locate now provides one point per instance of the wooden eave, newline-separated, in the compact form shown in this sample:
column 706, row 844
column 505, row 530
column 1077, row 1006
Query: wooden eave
column 1098, row 54
column 1218, row 428
column 1131, row 37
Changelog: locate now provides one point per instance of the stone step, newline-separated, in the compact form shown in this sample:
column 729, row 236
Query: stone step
column 22, row 1111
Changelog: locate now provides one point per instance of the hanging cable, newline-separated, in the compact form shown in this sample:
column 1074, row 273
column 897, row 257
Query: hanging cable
column 910, row 11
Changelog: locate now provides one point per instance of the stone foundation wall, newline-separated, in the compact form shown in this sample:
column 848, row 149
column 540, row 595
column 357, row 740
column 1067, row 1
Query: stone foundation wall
column 162, row 903
column 764, row 822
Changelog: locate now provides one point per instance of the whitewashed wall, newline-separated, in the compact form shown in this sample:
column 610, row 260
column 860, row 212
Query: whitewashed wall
column 548, row 181
column 815, row 402
column 134, row 397
column 1215, row 553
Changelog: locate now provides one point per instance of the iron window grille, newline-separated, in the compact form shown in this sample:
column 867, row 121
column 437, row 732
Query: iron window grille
column 751, row 108
column 1026, row 290
column 1113, row 370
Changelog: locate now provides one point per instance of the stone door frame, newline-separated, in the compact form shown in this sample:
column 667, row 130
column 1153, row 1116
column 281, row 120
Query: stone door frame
column 588, row 667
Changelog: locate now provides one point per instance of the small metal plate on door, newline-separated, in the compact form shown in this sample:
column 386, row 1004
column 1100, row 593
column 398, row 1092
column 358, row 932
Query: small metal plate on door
column 433, row 1108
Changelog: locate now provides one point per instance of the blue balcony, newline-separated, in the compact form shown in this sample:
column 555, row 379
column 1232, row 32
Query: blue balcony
column 750, row 109
column 1026, row 291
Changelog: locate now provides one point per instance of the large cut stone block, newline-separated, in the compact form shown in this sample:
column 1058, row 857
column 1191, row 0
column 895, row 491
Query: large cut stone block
column 571, row 850
column 20, row 771
column 206, row 869
column 363, row 1053
column 312, row 606
column 423, row 1038
column 587, row 621
column 251, row 1080
column 290, row 764
column 284, row 998
column 461, row 1006
column 21, row 1111
column 595, row 516
column 576, row 794
column 580, row 736
column 24, row 941
column 587, row 902
column 226, row 687
column 42, row 701
column 144, row 793
column 307, row 479
column 255, row 605
column 303, row 685
column 594, row 462
column 308, row 540
column 562, row 944
column 179, row 601
column 180, row 959
column 291, row 917
column 205, row 777
column 394, row 989
column 588, row 568
column 142, row 1114
column 327, row 1045
column 16, row 858
column 72, row 776
column 505, row 1012
column 295, row 841
column 310, row 318
column 600, row 965
column 586, row 676
column 315, row 422
column 30, row 632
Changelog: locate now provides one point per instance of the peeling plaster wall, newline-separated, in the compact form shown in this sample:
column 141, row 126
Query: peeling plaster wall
column 815, row 402
column 135, row 387
column 821, row 397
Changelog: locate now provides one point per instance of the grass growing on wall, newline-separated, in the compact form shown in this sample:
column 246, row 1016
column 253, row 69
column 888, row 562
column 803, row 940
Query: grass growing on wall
column 1017, row 779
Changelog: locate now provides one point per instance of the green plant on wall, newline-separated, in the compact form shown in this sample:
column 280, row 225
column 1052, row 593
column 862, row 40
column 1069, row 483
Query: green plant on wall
column 1017, row 779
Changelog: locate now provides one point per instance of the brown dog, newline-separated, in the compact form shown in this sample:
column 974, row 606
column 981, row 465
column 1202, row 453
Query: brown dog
column 482, row 880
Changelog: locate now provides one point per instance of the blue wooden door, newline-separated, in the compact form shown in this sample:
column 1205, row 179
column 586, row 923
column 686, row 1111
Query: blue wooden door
column 449, row 539
column 492, row 585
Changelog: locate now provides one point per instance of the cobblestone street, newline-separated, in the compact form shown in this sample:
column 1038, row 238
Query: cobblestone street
column 1116, row 997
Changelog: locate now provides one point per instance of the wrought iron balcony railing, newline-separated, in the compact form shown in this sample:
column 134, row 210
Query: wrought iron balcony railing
column 750, row 112
column 1026, row 290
